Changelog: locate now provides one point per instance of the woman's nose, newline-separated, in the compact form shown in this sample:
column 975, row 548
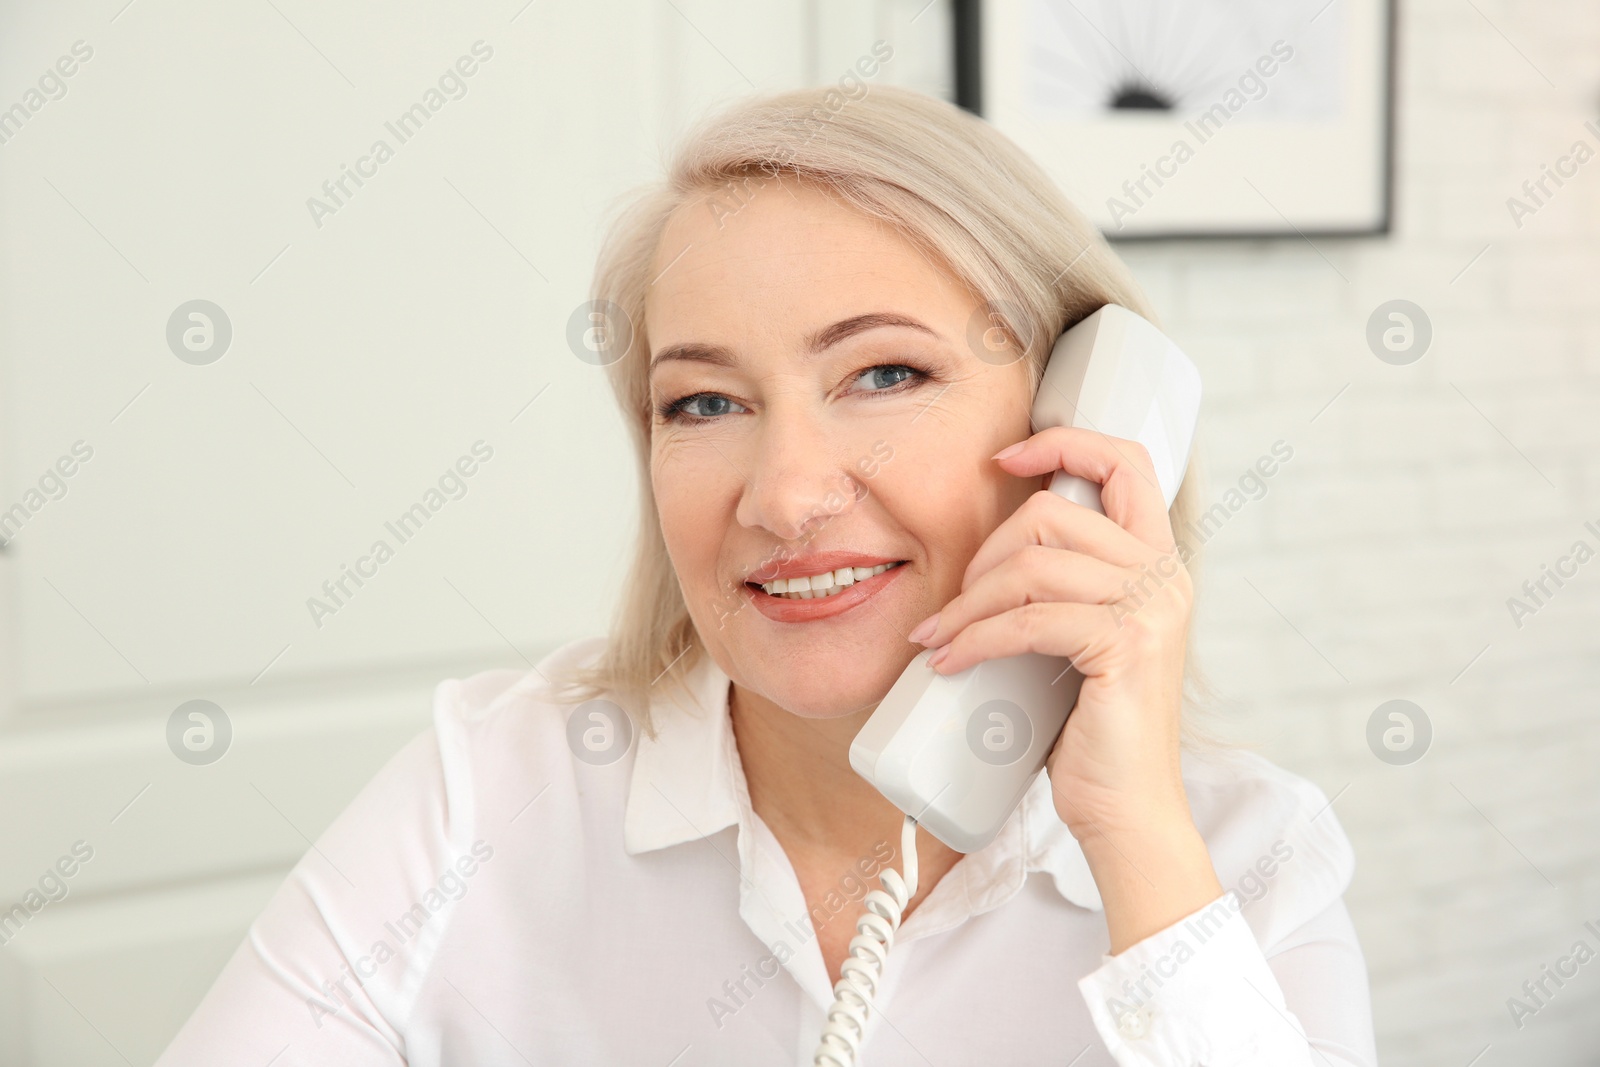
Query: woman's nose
column 799, row 476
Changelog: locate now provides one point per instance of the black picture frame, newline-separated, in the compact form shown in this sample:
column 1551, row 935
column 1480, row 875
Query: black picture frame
column 967, row 25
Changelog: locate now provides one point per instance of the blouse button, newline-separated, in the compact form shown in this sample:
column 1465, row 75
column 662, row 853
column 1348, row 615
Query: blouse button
column 1135, row 1022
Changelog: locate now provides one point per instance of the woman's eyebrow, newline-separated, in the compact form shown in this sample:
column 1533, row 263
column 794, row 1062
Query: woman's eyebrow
column 829, row 336
column 695, row 352
column 825, row 338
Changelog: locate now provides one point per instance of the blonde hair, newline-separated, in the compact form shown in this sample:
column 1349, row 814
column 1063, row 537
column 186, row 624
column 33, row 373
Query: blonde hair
column 952, row 185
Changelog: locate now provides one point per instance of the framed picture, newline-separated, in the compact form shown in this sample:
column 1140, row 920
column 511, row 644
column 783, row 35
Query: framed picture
column 1194, row 118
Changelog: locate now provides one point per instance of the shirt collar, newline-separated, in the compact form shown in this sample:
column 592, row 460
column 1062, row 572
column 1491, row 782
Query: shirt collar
column 685, row 780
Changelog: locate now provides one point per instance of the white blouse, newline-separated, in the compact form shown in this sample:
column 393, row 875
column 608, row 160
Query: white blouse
column 498, row 895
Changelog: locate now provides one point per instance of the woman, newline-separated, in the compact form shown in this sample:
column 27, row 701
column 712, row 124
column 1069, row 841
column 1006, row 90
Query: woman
column 544, row 877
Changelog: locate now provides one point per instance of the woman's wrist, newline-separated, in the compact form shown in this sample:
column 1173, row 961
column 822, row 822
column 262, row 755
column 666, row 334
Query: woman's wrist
column 1149, row 876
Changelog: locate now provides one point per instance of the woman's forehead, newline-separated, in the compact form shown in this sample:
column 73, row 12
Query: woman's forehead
column 786, row 261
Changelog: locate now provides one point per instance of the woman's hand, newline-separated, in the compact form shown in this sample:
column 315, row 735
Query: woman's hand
column 1110, row 593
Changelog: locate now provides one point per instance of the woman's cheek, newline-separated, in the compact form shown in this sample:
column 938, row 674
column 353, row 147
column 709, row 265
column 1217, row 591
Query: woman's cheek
column 687, row 524
column 687, row 530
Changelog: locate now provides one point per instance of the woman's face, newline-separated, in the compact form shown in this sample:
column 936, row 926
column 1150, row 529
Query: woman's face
column 820, row 405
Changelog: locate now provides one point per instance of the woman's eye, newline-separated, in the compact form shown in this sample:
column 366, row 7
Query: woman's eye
column 886, row 376
column 704, row 407
column 700, row 406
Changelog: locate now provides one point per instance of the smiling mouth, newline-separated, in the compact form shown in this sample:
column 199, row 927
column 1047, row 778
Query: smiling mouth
column 821, row 586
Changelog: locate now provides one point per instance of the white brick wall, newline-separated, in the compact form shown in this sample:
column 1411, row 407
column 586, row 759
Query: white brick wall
column 1394, row 536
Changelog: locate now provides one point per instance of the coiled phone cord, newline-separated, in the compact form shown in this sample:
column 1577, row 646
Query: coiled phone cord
column 862, row 969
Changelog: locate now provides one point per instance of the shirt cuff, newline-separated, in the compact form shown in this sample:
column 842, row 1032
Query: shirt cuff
column 1199, row 991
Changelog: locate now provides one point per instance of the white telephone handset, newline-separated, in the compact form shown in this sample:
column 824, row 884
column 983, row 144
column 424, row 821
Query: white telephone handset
column 957, row 752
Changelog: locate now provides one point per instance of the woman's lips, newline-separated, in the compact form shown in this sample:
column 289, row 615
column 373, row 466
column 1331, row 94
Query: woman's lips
column 783, row 609
column 814, row 563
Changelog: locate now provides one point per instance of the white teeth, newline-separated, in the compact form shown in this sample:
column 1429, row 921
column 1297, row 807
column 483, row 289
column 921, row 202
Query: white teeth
column 826, row 584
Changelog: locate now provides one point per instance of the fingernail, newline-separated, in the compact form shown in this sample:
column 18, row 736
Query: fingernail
column 1007, row 453
column 933, row 660
column 925, row 629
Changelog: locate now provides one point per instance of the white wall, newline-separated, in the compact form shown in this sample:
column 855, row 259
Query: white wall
column 371, row 351
column 1407, row 517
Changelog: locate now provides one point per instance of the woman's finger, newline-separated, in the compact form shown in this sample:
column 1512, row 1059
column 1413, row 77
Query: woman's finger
column 1055, row 522
column 1056, row 628
column 1032, row 574
column 1130, row 493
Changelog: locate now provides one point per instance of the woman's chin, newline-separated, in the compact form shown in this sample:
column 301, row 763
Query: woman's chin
column 829, row 707
column 815, row 675
column 825, row 694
